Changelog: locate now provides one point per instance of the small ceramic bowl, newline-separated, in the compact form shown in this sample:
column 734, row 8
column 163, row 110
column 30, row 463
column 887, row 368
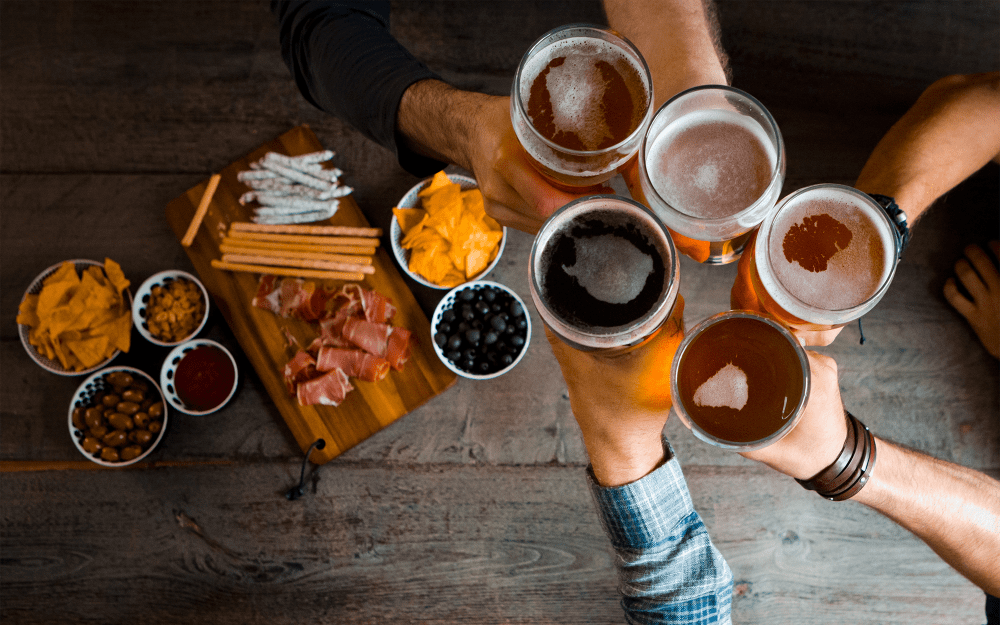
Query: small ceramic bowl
column 142, row 298
column 168, row 377
column 444, row 329
column 85, row 396
column 412, row 200
column 54, row 366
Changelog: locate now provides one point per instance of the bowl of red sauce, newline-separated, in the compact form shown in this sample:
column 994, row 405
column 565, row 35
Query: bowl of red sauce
column 199, row 377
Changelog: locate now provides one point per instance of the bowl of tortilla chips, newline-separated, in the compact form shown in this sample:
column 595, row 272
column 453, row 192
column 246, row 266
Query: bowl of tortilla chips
column 441, row 235
column 76, row 316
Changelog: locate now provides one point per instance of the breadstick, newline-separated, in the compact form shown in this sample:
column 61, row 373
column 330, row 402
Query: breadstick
column 288, row 271
column 305, row 238
column 301, row 247
column 199, row 215
column 249, row 259
column 288, row 253
column 304, row 229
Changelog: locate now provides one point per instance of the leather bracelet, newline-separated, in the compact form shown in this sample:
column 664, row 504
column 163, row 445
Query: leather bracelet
column 853, row 467
column 897, row 216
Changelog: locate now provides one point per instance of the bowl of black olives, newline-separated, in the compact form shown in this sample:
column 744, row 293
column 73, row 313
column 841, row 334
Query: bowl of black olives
column 481, row 330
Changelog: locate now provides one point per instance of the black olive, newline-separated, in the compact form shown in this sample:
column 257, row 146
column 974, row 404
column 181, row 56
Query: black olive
column 453, row 356
column 506, row 360
column 467, row 313
column 472, row 336
column 448, row 315
column 482, row 308
column 521, row 323
column 516, row 309
column 467, row 295
column 511, row 329
column 516, row 341
column 498, row 323
column 489, row 294
column 491, row 337
column 484, row 367
column 455, row 342
column 441, row 339
column 469, row 354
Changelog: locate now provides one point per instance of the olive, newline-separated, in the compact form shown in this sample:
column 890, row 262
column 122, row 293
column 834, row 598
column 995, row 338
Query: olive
column 482, row 308
column 467, row 295
column 134, row 396
column 467, row 312
column 448, row 316
column 484, row 367
column 91, row 445
column 115, row 438
column 516, row 341
column 455, row 342
column 506, row 360
column 155, row 426
column 142, row 437
column 79, row 418
column 109, row 454
column 140, row 385
column 120, row 379
column 110, row 400
column 469, row 354
column 99, row 431
column 156, row 410
column 472, row 336
column 131, row 452
column 441, row 339
column 127, row 407
column 491, row 337
column 140, row 419
column 121, row 421
column 516, row 309
column 521, row 323
column 453, row 355
column 489, row 294
column 499, row 323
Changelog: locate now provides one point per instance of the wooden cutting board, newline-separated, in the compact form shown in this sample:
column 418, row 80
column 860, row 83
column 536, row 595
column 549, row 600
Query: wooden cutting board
column 370, row 406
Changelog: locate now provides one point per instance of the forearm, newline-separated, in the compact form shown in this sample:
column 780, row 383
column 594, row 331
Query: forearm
column 950, row 132
column 953, row 509
column 440, row 121
column 679, row 40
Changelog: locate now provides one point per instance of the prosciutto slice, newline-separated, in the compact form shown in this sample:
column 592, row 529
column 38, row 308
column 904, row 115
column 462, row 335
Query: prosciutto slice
column 328, row 389
column 397, row 349
column 371, row 337
column 355, row 363
column 300, row 368
column 292, row 297
column 376, row 307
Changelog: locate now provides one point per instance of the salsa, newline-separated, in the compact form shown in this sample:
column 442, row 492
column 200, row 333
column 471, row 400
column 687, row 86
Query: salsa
column 204, row 378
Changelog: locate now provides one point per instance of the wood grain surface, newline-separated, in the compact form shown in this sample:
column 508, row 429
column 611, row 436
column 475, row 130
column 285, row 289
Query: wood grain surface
column 472, row 507
column 371, row 406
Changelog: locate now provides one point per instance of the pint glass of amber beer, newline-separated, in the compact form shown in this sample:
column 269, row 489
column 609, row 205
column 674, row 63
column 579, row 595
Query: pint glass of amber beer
column 822, row 258
column 580, row 104
column 710, row 166
column 603, row 273
column 740, row 381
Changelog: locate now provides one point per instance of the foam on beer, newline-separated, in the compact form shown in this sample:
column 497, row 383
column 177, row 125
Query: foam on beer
column 842, row 276
column 727, row 388
column 711, row 163
column 576, row 88
column 610, row 268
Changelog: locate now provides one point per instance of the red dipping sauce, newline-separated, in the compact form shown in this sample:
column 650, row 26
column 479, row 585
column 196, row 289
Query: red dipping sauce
column 204, row 378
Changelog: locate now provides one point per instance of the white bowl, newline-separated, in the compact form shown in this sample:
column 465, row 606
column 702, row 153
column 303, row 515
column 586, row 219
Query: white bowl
column 412, row 200
column 95, row 384
column 449, row 301
column 54, row 366
column 142, row 300
column 169, row 369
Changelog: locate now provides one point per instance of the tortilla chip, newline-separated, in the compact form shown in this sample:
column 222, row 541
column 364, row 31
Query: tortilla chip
column 408, row 218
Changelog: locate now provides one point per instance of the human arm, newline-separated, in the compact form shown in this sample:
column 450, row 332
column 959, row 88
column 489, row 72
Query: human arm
column 667, row 564
column 953, row 509
column 949, row 133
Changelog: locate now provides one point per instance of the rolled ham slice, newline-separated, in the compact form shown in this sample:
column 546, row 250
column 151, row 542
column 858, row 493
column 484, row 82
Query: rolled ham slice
column 329, row 389
column 355, row 363
column 300, row 368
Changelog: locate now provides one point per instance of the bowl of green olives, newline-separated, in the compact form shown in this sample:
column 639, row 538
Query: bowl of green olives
column 481, row 330
column 117, row 416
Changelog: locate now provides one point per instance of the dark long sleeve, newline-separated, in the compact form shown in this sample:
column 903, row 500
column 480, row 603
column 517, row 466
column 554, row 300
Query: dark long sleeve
column 346, row 63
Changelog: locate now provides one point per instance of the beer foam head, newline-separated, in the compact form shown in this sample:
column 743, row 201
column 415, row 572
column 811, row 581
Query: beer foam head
column 576, row 88
column 727, row 388
column 830, row 249
column 610, row 268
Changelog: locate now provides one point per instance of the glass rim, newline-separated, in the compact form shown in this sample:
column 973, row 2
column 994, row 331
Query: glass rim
column 685, row 218
column 539, row 44
column 652, row 320
column 678, row 405
column 805, row 311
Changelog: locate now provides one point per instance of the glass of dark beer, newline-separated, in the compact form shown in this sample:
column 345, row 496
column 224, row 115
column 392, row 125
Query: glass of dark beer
column 710, row 166
column 603, row 273
column 580, row 104
column 824, row 257
column 740, row 381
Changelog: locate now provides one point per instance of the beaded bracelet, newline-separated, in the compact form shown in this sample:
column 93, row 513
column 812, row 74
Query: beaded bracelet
column 853, row 467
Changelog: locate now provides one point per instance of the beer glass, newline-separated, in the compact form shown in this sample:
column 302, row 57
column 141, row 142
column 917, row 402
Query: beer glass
column 822, row 258
column 739, row 381
column 580, row 104
column 603, row 273
column 710, row 166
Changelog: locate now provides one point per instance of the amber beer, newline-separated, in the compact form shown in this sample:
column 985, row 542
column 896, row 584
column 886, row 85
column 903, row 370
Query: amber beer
column 740, row 381
column 603, row 273
column 580, row 104
column 825, row 256
column 710, row 166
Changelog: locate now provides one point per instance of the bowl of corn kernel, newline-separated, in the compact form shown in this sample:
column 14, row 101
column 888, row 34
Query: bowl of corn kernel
column 170, row 307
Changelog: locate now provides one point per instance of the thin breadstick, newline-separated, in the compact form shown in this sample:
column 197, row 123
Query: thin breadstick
column 287, row 253
column 289, row 271
column 302, row 247
column 305, row 238
column 199, row 215
column 347, row 231
column 248, row 259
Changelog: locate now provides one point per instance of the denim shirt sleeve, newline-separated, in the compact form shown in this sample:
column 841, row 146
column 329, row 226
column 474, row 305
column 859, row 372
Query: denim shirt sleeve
column 668, row 569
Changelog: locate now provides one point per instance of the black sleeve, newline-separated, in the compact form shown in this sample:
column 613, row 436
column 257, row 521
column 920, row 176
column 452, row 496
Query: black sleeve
column 346, row 63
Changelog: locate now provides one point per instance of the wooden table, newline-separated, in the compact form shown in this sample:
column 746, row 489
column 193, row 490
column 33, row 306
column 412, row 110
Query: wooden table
column 471, row 508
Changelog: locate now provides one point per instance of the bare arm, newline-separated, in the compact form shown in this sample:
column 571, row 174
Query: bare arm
column 678, row 39
column 951, row 131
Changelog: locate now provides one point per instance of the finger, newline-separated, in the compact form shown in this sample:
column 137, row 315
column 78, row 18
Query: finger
column 539, row 196
column 984, row 267
column 511, row 218
column 957, row 300
column 817, row 338
column 970, row 279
